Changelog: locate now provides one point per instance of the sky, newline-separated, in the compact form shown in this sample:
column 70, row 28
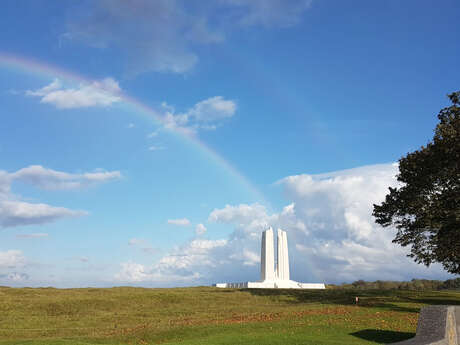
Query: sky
column 149, row 143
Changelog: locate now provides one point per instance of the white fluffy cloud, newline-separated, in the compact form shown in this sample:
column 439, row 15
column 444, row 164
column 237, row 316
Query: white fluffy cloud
column 212, row 109
column 200, row 229
column 179, row 222
column 332, row 235
column 57, row 180
column 207, row 114
column 180, row 267
column 242, row 214
column 169, row 31
column 132, row 272
column 12, row 259
column 101, row 93
column 15, row 212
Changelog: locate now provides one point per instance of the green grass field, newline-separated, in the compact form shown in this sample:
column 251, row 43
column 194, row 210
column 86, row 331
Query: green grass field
column 205, row 315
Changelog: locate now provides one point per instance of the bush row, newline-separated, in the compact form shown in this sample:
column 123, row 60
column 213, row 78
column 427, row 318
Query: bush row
column 414, row 284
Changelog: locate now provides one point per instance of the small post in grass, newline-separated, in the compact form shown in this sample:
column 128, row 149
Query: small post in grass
column 356, row 300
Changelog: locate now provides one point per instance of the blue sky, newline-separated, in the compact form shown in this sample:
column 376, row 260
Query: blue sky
column 151, row 142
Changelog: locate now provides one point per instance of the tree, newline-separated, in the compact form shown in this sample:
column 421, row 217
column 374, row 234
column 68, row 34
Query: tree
column 425, row 207
column 451, row 284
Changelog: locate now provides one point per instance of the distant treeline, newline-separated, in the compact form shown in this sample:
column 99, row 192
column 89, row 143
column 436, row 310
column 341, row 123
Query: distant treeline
column 414, row 284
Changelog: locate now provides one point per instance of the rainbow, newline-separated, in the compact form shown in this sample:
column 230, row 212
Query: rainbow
column 40, row 69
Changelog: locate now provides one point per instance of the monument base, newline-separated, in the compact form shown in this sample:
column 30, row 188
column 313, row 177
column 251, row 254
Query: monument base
column 272, row 284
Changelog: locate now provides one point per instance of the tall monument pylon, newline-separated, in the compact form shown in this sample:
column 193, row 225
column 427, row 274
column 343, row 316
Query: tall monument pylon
column 269, row 277
column 282, row 264
column 267, row 256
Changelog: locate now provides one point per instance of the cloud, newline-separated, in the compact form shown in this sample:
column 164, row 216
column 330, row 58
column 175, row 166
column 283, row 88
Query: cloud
column 332, row 236
column 46, row 90
column 15, row 276
column 200, row 229
column 179, row 222
column 142, row 244
column 132, row 272
column 193, row 254
column 160, row 41
column 5, row 184
column 207, row 114
column 12, row 259
column 179, row 266
column 341, row 241
column 156, row 148
column 34, row 235
column 240, row 214
column 17, row 213
column 153, row 134
column 164, row 35
column 49, row 179
column 268, row 13
column 212, row 109
column 135, row 273
column 101, row 93
column 135, row 241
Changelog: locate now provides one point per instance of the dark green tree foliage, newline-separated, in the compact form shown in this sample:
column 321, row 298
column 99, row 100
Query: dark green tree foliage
column 425, row 208
column 414, row 284
column 451, row 284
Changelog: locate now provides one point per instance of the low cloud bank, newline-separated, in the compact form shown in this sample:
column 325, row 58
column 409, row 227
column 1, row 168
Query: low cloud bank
column 332, row 237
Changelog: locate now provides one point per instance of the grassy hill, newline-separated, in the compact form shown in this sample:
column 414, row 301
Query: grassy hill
column 205, row 315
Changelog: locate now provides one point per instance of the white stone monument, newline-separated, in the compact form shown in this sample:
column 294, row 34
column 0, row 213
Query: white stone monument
column 269, row 278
